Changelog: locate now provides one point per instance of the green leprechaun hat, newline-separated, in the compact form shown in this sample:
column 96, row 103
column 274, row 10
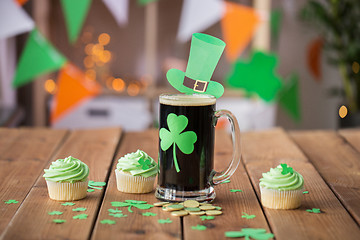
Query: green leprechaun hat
column 205, row 52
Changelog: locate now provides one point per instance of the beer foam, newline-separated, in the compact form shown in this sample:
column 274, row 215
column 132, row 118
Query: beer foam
column 187, row 100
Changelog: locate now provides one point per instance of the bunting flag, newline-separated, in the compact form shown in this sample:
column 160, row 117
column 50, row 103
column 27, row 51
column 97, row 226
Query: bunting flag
column 257, row 76
column 197, row 16
column 119, row 9
column 289, row 98
column 314, row 58
column 144, row 2
column 13, row 19
column 75, row 12
column 21, row 2
column 238, row 26
column 38, row 57
column 275, row 24
column 73, row 89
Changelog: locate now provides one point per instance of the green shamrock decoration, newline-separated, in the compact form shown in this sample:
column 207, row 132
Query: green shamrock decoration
column 199, row 227
column 132, row 203
column 80, row 216
column 255, row 233
column 145, row 164
column 162, row 221
column 79, row 209
column 10, row 201
column 55, row 213
column 247, row 216
column 148, row 214
column 107, row 221
column 68, row 204
column 117, row 215
column 203, row 218
column 114, row 210
column 286, row 169
column 235, row 190
column 184, row 141
column 59, row 220
column 96, row 185
column 314, row 210
column 305, row 192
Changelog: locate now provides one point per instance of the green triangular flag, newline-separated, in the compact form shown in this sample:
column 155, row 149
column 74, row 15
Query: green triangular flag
column 289, row 98
column 144, row 2
column 75, row 12
column 38, row 57
column 275, row 24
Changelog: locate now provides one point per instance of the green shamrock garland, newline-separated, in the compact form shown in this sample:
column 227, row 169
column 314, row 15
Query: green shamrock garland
column 184, row 141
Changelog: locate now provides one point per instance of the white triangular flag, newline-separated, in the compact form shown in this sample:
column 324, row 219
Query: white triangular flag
column 198, row 15
column 13, row 19
column 119, row 10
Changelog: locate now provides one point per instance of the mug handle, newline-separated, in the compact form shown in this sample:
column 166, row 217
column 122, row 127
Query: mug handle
column 222, row 176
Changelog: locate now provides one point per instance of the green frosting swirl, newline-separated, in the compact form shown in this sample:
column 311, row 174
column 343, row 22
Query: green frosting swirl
column 67, row 170
column 274, row 179
column 138, row 164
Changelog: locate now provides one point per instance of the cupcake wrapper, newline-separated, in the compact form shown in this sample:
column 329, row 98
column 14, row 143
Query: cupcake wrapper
column 275, row 199
column 133, row 184
column 67, row 191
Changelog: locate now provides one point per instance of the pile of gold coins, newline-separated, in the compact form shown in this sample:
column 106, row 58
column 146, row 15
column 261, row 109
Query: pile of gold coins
column 189, row 207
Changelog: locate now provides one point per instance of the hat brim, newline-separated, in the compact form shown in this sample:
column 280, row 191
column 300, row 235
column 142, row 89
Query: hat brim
column 176, row 79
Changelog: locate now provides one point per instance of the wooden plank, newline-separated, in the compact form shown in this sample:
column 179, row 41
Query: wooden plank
column 352, row 136
column 23, row 154
column 337, row 162
column 262, row 150
column 94, row 147
column 233, row 204
column 135, row 226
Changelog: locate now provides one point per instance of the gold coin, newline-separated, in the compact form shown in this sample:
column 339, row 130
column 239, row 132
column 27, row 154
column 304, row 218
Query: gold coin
column 191, row 204
column 213, row 212
column 207, row 207
column 197, row 213
column 205, row 204
column 175, row 207
column 196, row 209
column 167, row 209
column 179, row 213
column 160, row 204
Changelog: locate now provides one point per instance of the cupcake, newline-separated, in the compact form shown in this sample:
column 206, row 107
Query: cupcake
column 67, row 179
column 136, row 173
column 281, row 188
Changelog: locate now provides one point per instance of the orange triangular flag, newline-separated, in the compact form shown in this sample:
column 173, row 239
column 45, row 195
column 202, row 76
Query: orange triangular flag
column 238, row 26
column 73, row 88
column 314, row 58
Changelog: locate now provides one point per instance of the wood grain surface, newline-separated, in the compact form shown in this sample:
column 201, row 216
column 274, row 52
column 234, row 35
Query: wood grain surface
column 352, row 136
column 95, row 148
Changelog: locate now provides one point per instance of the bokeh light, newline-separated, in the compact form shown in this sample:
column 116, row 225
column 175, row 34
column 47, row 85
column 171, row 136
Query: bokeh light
column 105, row 56
column 343, row 111
column 50, row 86
column 355, row 67
column 97, row 49
column 104, row 39
column 133, row 89
column 88, row 62
column 118, row 84
column 86, row 37
column 88, row 48
column 91, row 74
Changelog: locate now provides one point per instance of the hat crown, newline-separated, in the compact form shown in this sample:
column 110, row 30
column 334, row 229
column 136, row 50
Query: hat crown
column 205, row 52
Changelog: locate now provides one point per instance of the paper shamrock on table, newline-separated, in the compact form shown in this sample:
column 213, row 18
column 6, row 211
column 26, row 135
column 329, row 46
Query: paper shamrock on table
column 80, row 216
column 55, row 213
column 257, row 76
column 162, row 221
column 148, row 214
column 203, row 218
column 314, row 210
column 286, row 169
column 247, row 216
column 117, row 215
column 68, row 204
column 305, row 192
column 96, row 185
column 247, row 233
column 10, row 201
column 199, row 227
column 110, row 210
column 235, row 190
column 184, row 141
column 107, row 221
column 132, row 203
column 79, row 209
column 59, row 220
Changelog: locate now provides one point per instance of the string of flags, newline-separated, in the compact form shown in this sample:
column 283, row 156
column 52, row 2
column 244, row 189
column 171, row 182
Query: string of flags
column 239, row 23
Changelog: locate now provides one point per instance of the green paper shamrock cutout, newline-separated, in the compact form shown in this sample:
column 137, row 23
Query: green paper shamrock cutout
column 314, row 210
column 114, row 210
column 235, row 190
column 145, row 164
column 257, row 76
column 10, row 201
column 203, row 218
column 162, row 221
column 80, row 216
column 305, row 192
column 289, row 98
column 247, row 216
column 79, row 209
column 132, row 203
column 255, row 233
column 55, row 213
column 96, row 185
column 107, row 221
column 149, row 214
column 117, row 215
column 199, row 227
column 184, row 141
column 90, row 190
column 286, row 169
column 68, row 204
column 59, row 220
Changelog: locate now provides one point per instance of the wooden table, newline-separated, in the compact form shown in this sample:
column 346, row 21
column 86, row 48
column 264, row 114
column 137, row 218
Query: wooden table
column 328, row 160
